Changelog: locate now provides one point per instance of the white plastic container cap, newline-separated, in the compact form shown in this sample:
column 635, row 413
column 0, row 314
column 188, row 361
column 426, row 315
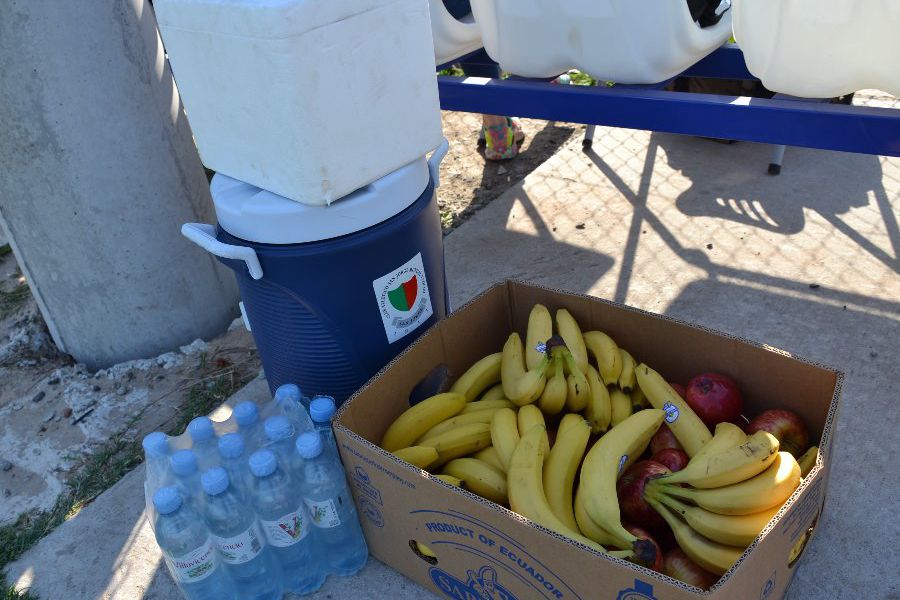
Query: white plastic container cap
column 256, row 215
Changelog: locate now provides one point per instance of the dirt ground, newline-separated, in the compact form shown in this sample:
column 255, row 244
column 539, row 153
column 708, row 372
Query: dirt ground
column 54, row 413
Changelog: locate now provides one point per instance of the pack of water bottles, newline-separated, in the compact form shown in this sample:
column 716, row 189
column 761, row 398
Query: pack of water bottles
column 255, row 506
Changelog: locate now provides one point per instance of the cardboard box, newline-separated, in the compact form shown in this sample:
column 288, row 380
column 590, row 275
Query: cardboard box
column 486, row 552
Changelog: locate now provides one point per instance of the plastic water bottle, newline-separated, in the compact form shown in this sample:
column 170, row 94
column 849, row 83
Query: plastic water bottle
column 188, row 549
column 285, row 523
column 205, row 444
column 239, row 539
column 331, row 508
column 156, row 457
column 232, row 451
column 321, row 409
column 290, row 401
column 280, row 434
column 246, row 414
column 187, row 475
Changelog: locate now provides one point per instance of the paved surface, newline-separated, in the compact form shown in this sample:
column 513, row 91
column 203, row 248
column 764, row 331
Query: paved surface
column 807, row 262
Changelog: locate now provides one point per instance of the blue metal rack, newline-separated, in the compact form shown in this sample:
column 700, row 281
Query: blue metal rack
column 866, row 130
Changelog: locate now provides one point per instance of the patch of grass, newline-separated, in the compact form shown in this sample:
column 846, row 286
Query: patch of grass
column 12, row 300
column 4, row 250
column 454, row 71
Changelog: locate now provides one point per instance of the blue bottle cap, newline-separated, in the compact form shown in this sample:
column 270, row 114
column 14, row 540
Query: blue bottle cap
column 214, row 481
column 278, row 428
column 246, row 413
column 156, row 444
column 201, row 429
column 263, row 463
column 231, row 445
column 322, row 408
column 288, row 392
column 184, row 463
column 309, row 444
column 166, row 500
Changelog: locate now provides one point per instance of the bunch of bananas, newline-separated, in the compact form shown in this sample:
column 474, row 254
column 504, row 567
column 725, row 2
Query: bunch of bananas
column 547, row 427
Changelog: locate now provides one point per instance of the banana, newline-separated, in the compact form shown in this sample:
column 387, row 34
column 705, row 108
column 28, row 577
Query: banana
column 578, row 389
column 726, row 435
column 460, row 441
column 681, row 418
column 494, row 393
column 733, row 530
column 602, row 466
column 729, row 466
column 480, row 376
column 505, row 434
column 480, row 477
column 454, row 481
column 638, row 399
column 540, row 329
column 416, row 420
column 620, row 404
column 420, row 456
column 492, row 404
column 769, row 489
column 570, row 332
column 526, row 488
column 627, row 379
column 553, row 398
column 424, row 550
column 598, row 412
column 520, row 386
column 714, row 557
column 528, row 417
column 491, row 457
column 808, row 460
column 481, row 416
column 562, row 465
column 587, row 526
column 605, row 350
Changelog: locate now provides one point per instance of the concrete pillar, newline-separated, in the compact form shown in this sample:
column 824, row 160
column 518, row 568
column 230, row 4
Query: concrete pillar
column 98, row 171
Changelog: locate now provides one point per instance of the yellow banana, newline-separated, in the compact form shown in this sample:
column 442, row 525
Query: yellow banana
column 638, row 399
column 570, row 332
column 690, row 431
column 526, row 488
column 480, row 477
column 562, row 465
column 420, row 456
column 578, row 389
column 627, row 379
column 520, row 386
column 424, row 550
column 460, row 441
column 540, row 329
column 481, row 416
column 492, row 404
column 587, row 526
column 808, row 461
column 714, row 557
column 505, row 434
column 553, row 398
column 620, row 403
column 605, row 350
column 454, row 481
column 598, row 412
column 727, row 435
column 491, row 457
column 731, row 530
column 494, row 393
column 480, row 376
column 730, row 466
column 605, row 462
column 528, row 417
column 416, row 420
column 769, row 489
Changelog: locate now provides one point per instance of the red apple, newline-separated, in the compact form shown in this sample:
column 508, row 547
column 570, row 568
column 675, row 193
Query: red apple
column 657, row 563
column 630, row 490
column 785, row 425
column 662, row 439
column 677, row 564
column 680, row 389
column 673, row 458
column 715, row 398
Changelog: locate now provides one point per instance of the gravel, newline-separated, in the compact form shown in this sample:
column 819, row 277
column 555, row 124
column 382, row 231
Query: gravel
column 5, row 465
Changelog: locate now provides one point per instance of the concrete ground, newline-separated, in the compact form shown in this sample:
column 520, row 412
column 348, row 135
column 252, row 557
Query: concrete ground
column 808, row 261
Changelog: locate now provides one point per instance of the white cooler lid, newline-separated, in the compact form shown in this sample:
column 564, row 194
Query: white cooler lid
column 257, row 215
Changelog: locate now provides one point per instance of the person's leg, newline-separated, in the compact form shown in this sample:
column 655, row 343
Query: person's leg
column 501, row 136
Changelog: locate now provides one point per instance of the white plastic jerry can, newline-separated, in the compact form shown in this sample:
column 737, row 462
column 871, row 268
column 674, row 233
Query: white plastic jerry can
column 453, row 37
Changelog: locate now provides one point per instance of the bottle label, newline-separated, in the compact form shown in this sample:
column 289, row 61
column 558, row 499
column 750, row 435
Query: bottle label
column 241, row 548
column 324, row 513
column 288, row 530
column 194, row 566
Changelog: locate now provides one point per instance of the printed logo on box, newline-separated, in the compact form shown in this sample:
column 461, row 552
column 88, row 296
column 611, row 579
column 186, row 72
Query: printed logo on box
column 403, row 299
column 641, row 591
column 482, row 585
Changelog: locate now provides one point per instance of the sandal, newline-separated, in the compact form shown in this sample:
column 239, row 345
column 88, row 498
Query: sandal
column 502, row 142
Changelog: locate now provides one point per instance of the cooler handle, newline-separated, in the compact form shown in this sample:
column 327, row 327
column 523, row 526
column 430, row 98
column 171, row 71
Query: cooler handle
column 434, row 163
column 205, row 236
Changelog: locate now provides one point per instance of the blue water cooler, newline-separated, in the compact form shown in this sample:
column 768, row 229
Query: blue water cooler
column 333, row 293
